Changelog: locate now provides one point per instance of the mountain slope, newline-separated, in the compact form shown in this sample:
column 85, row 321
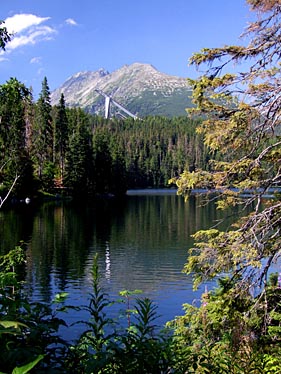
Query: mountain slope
column 140, row 88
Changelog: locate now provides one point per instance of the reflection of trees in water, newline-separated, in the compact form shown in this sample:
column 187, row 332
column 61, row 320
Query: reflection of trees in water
column 60, row 242
column 148, row 238
column 142, row 241
column 15, row 226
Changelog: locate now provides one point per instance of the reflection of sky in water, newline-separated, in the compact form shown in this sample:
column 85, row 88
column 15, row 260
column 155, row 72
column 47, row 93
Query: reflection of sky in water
column 169, row 299
column 142, row 243
column 167, row 293
column 107, row 262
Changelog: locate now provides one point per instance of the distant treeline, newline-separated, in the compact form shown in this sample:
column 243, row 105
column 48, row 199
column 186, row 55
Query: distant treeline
column 58, row 149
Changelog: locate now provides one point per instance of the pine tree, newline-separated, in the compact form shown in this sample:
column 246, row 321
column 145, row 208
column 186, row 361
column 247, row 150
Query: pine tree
column 79, row 157
column 14, row 101
column 42, row 137
column 61, row 136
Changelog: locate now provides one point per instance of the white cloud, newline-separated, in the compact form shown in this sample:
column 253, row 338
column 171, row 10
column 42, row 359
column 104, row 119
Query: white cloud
column 32, row 37
column 27, row 30
column 20, row 22
column 35, row 60
column 40, row 71
column 71, row 21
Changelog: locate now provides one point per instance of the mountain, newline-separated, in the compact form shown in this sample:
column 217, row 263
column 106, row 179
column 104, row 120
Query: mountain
column 140, row 88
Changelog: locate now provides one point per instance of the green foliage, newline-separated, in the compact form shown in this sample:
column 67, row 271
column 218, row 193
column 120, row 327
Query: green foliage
column 79, row 157
column 28, row 330
column 148, row 153
column 5, row 37
column 61, row 136
column 42, row 136
column 102, row 348
column 153, row 103
column 26, row 368
column 128, row 296
column 225, row 333
column 15, row 161
column 236, row 329
column 62, row 150
column 247, row 138
column 139, row 350
column 47, row 176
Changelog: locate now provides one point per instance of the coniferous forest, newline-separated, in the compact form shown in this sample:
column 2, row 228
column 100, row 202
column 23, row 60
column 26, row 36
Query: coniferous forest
column 62, row 150
column 234, row 150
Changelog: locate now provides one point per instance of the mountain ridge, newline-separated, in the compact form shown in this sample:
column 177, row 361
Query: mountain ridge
column 139, row 87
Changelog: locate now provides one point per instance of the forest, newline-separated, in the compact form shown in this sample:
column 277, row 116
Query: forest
column 236, row 328
column 65, row 151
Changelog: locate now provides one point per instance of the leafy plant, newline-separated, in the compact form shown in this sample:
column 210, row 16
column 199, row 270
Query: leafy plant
column 107, row 347
column 26, row 368
column 128, row 296
column 29, row 333
column 90, row 352
column 143, row 348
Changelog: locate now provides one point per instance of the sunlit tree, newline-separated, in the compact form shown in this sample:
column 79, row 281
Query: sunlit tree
column 241, row 113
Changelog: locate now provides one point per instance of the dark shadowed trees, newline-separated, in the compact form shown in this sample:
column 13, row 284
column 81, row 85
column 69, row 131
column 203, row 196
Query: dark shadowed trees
column 79, row 157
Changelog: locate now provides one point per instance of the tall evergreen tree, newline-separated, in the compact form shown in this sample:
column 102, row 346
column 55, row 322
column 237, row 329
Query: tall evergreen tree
column 61, row 136
column 103, row 160
column 79, row 158
column 42, row 136
column 14, row 100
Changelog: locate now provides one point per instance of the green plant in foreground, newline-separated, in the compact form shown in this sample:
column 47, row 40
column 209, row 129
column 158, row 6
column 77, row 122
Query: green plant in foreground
column 227, row 334
column 143, row 348
column 90, row 351
column 28, row 331
column 128, row 295
column 26, row 368
column 108, row 347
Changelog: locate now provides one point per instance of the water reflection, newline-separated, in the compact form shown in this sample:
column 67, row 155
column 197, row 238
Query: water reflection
column 107, row 262
column 141, row 241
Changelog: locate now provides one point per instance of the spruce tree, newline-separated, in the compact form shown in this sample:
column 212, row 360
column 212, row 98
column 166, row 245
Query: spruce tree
column 15, row 162
column 79, row 156
column 42, row 137
column 61, row 136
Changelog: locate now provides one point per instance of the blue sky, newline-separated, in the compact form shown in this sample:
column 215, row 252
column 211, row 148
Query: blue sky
column 58, row 38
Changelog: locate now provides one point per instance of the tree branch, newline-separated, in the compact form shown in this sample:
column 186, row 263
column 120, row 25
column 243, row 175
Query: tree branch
column 2, row 200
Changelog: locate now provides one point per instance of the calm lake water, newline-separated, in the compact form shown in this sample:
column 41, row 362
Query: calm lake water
column 142, row 242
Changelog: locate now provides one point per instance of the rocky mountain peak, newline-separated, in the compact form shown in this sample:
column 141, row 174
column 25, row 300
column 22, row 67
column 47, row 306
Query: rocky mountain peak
column 139, row 87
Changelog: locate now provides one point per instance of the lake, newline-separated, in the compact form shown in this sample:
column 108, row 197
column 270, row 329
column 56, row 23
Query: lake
column 142, row 242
